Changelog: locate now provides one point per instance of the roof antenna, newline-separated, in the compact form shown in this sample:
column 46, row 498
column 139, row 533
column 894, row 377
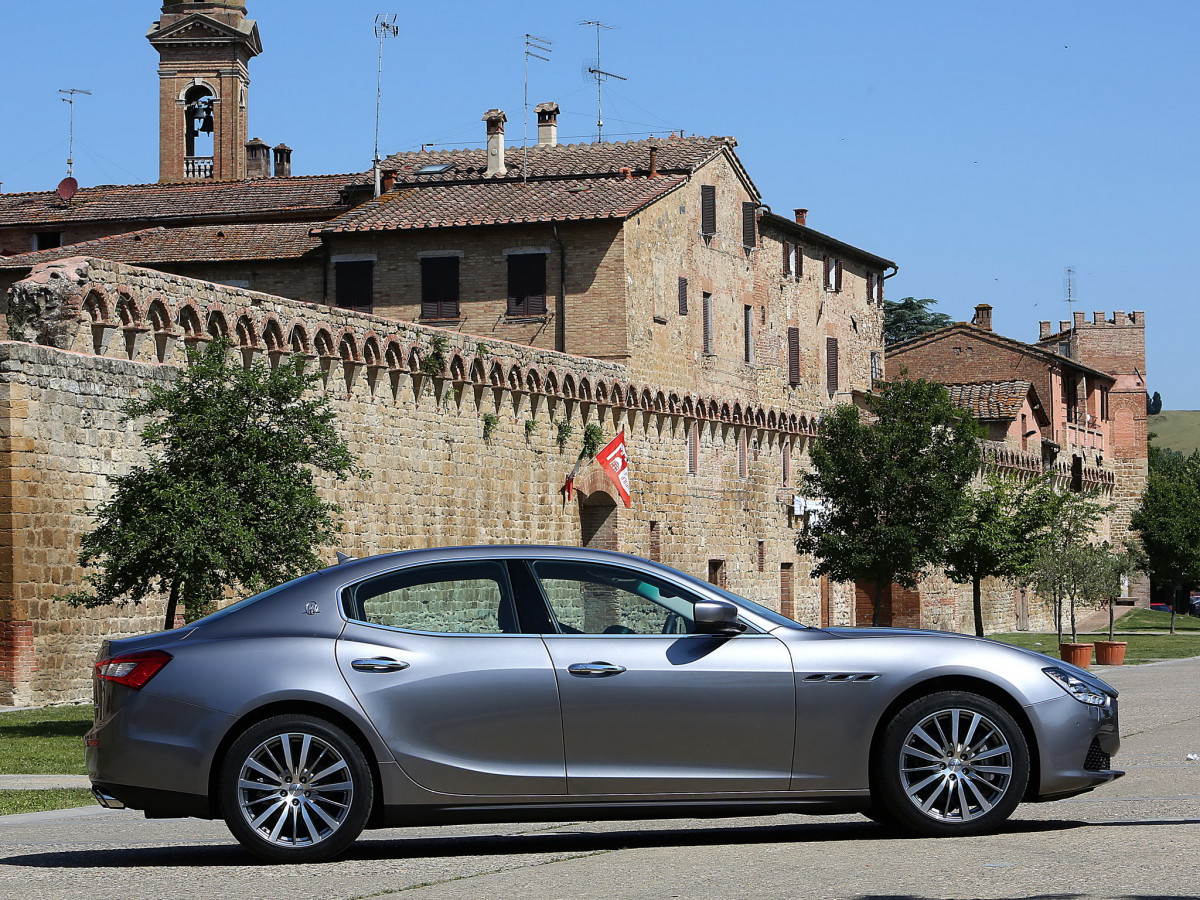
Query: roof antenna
column 532, row 43
column 1071, row 292
column 385, row 27
column 70, row 101
column 599, row 74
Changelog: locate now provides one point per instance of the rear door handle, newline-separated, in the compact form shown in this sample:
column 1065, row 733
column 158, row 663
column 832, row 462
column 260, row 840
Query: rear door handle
column 595, row 669
column 378, row 664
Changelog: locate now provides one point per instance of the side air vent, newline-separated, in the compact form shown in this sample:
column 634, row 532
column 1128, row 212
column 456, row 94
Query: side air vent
column 841, row 677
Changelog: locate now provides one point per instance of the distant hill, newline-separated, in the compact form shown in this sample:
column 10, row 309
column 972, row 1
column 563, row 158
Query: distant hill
column 1178, row 429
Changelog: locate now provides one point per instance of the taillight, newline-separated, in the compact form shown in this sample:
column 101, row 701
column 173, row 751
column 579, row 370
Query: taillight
column 133, row 669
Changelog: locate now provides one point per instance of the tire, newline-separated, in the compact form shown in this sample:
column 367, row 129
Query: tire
column 296, row 788
column 950, row 763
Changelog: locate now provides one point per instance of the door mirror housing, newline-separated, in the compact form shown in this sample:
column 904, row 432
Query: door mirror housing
column 716, row 617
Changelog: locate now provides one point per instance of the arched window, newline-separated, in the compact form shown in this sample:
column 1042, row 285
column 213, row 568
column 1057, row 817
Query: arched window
column 198, row 127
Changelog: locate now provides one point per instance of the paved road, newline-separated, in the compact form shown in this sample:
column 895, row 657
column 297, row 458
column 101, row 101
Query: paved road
column 1137, row 838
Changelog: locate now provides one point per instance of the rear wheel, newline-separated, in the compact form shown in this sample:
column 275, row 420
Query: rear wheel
column 296, row 789
column 951, row 763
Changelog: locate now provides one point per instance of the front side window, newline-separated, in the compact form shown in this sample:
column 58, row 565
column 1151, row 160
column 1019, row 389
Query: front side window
column 527, row 284
column 449, row 598
column 598, row 599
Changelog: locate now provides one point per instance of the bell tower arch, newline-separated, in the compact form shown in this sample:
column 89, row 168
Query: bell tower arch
column 204, row 52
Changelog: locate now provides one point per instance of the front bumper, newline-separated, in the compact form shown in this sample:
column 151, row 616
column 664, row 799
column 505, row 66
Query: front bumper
column 1076, row 744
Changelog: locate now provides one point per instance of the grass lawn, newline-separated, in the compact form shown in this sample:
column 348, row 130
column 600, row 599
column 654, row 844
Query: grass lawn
column 1142, row 647
column 13, row 802
column 43, row 741
column 1151, row 620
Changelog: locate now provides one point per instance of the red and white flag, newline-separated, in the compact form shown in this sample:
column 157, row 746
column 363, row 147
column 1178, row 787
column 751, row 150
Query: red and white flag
column 615, row 463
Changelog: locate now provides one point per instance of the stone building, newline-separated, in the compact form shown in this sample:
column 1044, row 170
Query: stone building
column 641, row 286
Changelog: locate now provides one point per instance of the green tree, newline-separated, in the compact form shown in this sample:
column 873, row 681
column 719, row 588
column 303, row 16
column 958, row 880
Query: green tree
column 891, row 485
column 910, row 318
column 1067, row 565
column 995, row 532
column 1153, row 404
column 1167, row 520
column 227, row 498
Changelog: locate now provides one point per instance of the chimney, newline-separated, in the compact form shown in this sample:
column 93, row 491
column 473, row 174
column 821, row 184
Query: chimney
column 389, row 179
column 801, row 216
column 258, row 158
column 283, row 161
column 495, row 119
column 1044, row 330
column 1079, row 319
column 983, row 316
column 654, row 159
column 547, row 114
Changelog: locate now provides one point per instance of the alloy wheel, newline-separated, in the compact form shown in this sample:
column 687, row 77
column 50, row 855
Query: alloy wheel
column 956, row 765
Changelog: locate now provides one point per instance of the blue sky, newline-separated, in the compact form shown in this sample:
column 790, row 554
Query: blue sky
column 985, row 147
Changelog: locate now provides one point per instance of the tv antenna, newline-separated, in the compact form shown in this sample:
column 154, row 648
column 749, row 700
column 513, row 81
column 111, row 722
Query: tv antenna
column 70, row 101
column 1071, row 290
column 534, row 46
column 385, row 27
column 600, row 75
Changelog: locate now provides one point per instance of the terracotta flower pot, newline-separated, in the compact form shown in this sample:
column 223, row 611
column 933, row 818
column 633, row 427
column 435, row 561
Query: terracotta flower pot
column 1110, row 653
column 1076, row 654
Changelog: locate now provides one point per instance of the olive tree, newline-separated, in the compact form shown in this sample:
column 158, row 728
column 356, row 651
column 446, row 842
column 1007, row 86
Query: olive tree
column 227, row 498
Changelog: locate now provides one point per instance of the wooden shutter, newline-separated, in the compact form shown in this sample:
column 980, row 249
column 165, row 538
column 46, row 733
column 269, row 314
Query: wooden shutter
column 787, row 597
column 831, row 364
column 693, row 459
column 787, row 258
column 748, row 333
column 708, row 209
column 837, row 275
column 527, row 284
column 354, row 284
column 799, row 254
column 828, row 271
column 793, row 338
column 708, row 323
column 439, row 287
column 749, row 226
column 682, row 296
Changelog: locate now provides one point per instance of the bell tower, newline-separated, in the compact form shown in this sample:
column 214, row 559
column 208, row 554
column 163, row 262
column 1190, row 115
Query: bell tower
column 204, row 51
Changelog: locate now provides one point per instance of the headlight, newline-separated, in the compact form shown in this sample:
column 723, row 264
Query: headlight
column 1077, row 687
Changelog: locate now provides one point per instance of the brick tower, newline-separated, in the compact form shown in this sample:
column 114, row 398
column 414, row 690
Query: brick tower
column 204, row 49
column 1117, row 346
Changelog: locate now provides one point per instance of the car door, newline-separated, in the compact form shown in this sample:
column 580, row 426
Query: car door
column 648, row 706
column 466, row 703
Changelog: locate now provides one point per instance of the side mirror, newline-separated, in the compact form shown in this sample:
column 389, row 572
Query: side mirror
column 716, row 617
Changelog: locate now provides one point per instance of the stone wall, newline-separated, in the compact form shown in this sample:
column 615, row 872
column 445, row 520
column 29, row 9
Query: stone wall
column 436, row 479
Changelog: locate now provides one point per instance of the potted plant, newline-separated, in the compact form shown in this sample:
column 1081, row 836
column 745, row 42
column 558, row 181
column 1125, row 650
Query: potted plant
column 1124, row 564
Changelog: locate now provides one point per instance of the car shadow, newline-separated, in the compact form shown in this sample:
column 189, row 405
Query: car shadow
column 391, row 844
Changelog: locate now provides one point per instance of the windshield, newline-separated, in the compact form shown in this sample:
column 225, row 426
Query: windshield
column 756, row 608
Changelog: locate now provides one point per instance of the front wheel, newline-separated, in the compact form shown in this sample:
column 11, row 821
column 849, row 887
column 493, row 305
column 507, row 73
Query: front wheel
column 296, row 789
column 951, row 763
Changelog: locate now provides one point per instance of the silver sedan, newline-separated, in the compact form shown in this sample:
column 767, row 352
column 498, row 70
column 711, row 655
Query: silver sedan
column 501, row 684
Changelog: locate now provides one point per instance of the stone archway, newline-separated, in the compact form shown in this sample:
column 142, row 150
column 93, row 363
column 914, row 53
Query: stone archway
column 599, row 516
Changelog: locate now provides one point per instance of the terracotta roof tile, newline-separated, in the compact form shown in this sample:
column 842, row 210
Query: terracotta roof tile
column 198, row 243
column 991, row 400
column 681, row 155
column 497, row 202
column 311, row 196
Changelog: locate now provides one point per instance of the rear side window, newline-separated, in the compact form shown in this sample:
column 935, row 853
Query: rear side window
column 447, row 598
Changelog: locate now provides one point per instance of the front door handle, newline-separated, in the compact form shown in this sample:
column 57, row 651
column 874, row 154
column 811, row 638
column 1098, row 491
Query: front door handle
column 378, row 664
column 595, row 669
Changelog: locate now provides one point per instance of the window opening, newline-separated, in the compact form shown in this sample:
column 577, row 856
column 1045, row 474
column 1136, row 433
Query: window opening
column 354, row 284
column 439, row 287
column 527, row 284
